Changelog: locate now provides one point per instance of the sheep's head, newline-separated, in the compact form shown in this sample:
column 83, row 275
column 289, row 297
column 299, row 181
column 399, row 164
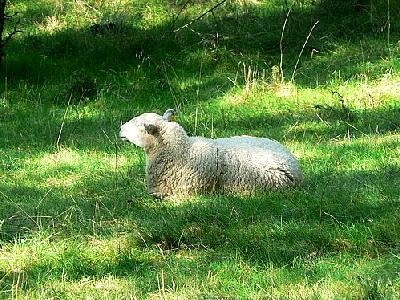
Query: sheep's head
column 145, row 130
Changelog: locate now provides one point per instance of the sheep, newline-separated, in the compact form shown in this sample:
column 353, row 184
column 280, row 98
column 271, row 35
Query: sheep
column 180, row 165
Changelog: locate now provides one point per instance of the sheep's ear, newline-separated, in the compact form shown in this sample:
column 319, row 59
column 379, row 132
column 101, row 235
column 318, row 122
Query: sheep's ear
column 152, row 129
column 169, row 115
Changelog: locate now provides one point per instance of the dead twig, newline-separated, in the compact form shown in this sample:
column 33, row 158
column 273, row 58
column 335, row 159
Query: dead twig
column 11, row 34
column 62, row 123
column 302, row 50
column 281, row 44
column 183, row 7
column 3, row 18
column 201, row 16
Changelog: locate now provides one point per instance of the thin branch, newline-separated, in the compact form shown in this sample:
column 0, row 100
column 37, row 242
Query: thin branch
column 8, row 17
column 62, row 123
column 201, row 16
column 2, row 20
column 11, row 34
column 15, row 30
column 180, row 11
column 281, row 43
column 302, row 50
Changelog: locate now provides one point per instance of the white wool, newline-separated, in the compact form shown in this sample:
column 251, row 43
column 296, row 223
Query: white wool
column 181, row 165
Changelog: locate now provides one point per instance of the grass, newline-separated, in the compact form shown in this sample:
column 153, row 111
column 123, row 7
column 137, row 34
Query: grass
column 75, row 219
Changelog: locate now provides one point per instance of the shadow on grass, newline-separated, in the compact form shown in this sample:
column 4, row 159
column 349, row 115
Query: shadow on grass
column 27, row 208
column 356, row 212
column 99, row 132
column 334, row 213
column 307, row 217
column 308, row 124
column 282, row 225
column 226, row 38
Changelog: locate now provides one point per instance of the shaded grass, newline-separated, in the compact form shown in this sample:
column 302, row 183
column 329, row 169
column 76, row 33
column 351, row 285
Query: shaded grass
column 293, row 232
column 75, row 218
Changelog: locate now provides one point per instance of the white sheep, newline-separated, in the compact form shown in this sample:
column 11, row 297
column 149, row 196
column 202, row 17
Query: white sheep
column 177, row 164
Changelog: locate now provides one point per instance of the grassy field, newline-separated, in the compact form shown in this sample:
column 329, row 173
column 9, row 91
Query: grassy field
column 75, row 219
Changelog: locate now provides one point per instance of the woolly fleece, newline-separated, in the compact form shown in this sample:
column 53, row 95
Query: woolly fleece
column 177, row 164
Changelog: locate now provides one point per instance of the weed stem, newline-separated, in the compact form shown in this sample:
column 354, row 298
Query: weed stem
column 302, row 50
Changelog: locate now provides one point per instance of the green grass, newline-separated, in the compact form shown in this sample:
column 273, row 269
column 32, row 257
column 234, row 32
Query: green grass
column 75, row 219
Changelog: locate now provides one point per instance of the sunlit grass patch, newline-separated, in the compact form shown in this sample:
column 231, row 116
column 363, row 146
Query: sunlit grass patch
column 76, row 221
column 107, row 287
column 51, row 25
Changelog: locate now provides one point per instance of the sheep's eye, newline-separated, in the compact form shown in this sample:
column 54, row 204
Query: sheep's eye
column 151, row 129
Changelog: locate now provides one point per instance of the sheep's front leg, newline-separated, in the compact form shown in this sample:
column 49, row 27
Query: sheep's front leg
column 159, row 196
column 156, row 192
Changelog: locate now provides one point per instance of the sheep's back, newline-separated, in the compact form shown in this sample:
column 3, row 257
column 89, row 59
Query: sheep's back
column 256, row 163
